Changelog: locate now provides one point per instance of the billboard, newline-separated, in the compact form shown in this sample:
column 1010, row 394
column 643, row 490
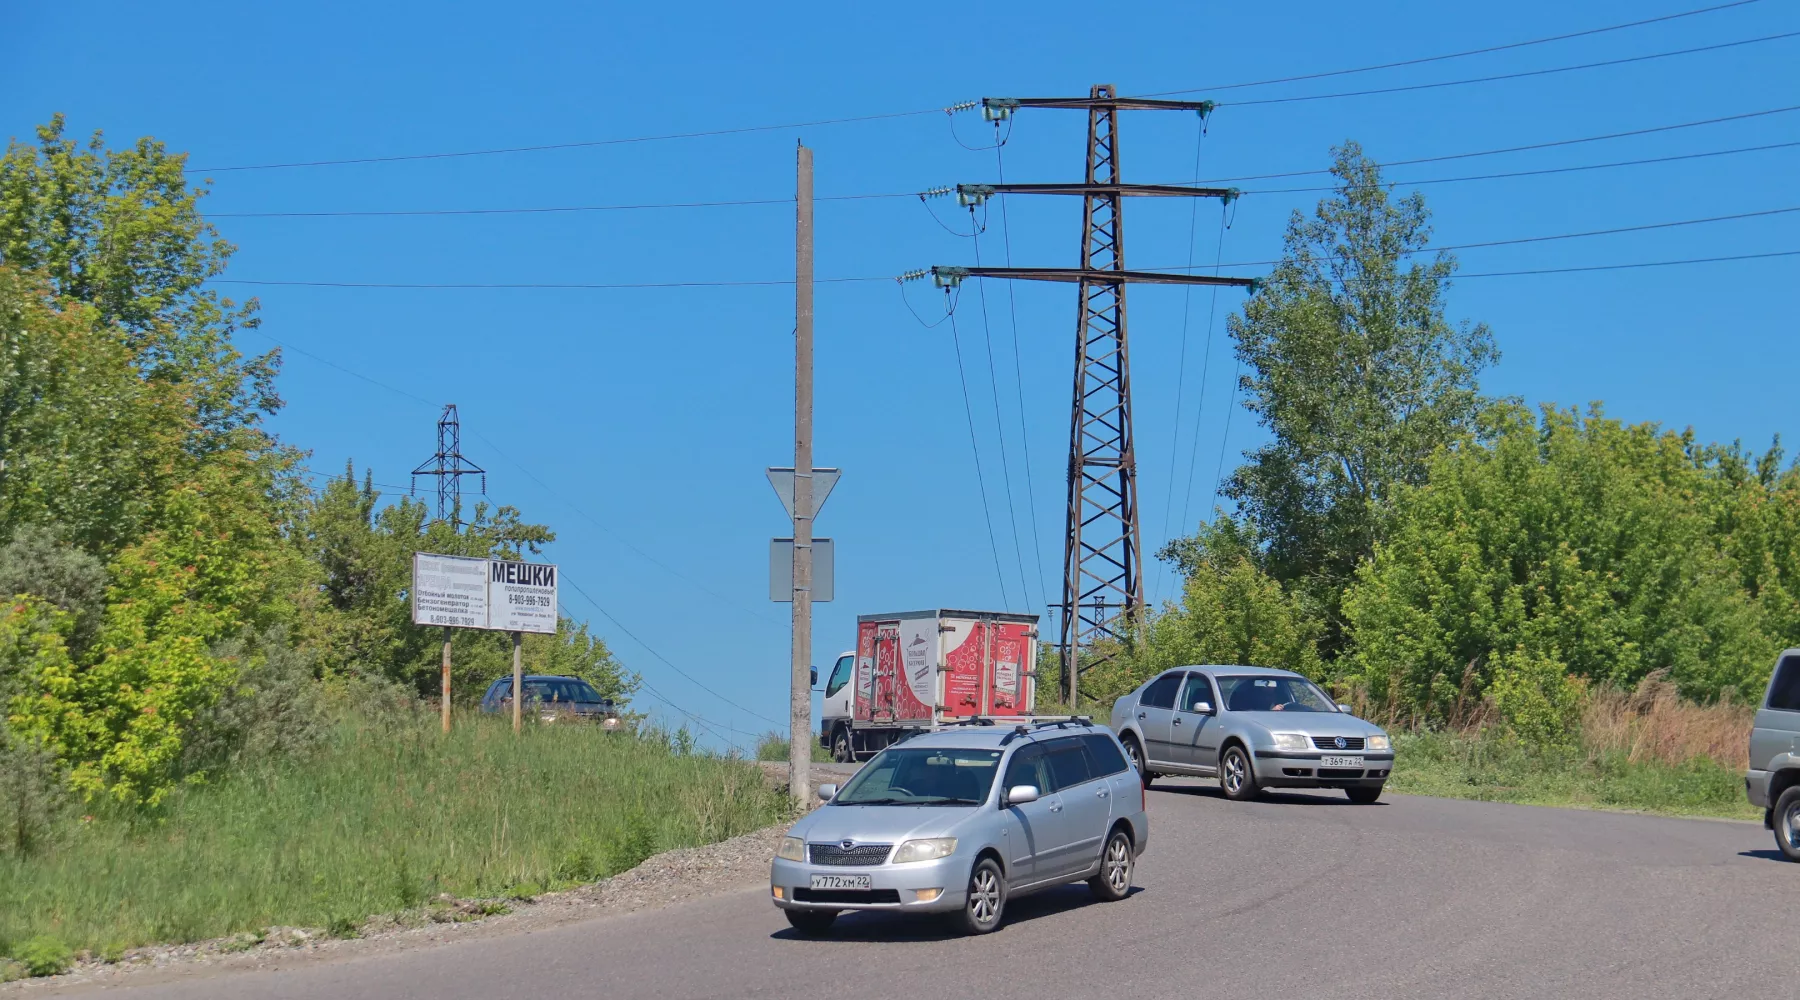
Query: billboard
column 495, row 594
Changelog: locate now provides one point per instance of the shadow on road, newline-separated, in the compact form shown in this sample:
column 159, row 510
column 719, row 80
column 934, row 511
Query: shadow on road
column 865, row 925
column 1322, row 798
column 1768, row 854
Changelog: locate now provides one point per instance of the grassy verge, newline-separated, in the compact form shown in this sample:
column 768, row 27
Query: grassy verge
column 392, row 814
column 774, row 746
column 1491, row 768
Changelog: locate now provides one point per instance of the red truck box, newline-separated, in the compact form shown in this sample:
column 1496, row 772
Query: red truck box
column 919, row 668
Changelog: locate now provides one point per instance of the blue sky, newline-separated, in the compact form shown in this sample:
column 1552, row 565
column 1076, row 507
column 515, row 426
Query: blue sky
column 638, row 421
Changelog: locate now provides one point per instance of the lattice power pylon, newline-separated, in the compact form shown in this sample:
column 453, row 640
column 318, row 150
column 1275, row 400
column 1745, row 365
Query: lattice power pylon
column 449, row 466
column 1103, row 577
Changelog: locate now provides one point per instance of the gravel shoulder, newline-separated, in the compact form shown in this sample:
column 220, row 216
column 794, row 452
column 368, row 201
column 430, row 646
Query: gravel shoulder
column 663, row 880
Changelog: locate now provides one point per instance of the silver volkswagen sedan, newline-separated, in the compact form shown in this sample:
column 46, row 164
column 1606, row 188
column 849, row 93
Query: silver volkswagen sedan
column 1253, row 728
column 960, row 820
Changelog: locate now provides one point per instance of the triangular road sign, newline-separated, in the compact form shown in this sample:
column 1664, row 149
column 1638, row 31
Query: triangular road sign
column 783, row 481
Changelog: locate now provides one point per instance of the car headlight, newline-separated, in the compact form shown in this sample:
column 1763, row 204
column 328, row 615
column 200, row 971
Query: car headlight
column 925, row 850
column 1290, row 741
column 1380, row 742
column 791, row 849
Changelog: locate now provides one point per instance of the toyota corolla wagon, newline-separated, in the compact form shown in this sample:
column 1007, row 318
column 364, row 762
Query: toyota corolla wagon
column 961, row 820
column 1252, row 728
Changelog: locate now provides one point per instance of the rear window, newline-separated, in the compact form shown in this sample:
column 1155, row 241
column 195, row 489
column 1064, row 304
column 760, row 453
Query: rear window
column 1104, row 753
column 1784, row 693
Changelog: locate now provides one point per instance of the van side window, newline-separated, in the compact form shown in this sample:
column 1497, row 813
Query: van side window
column 1784, row 694
column 1068, row 763
column 839, row 676
column 1161, row 692
column 1028, row 767
column 1104, row 754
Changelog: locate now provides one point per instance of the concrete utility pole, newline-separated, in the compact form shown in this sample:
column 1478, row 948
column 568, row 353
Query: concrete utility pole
column 800, row 694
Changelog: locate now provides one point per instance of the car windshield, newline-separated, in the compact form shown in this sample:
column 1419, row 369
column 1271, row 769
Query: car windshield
column 561, row 690
column 1273, row 694
column 922, row 777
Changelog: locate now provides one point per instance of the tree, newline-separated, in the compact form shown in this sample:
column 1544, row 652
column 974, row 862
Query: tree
column 1353, row 369
column 121, row 230
column 1571, row 550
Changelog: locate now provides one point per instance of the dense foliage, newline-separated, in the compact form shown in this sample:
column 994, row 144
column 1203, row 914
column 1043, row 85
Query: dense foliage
column 174, row 597
column 1449, row 558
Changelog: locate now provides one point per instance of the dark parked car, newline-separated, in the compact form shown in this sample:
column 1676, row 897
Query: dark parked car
column 552, row 698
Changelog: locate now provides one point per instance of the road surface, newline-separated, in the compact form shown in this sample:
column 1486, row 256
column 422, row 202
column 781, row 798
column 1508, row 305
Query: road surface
column 1300, row 895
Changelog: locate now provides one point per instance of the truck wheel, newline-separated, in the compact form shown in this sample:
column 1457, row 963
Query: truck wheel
column 1113, row 882
column 1136, row 753
column 811, row 923
column 1787, row 823
column 840, row 747
column 1236, row 776
column 986, row 902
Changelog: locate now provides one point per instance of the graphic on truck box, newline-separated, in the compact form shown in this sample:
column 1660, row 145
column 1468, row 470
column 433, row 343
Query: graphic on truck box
column 918, row 638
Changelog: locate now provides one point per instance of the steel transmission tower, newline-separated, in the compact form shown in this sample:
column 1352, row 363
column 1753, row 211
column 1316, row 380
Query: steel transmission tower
column 1103, row 578
column 449, row 466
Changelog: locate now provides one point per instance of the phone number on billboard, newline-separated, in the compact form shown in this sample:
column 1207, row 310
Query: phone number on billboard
column 528, row 600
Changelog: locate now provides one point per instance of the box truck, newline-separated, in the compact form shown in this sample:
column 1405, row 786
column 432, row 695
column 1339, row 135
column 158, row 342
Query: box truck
column 920, row 670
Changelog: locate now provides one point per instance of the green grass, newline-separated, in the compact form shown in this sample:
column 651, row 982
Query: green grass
column 391, row 815
column 1492, row 768
column 774, row 746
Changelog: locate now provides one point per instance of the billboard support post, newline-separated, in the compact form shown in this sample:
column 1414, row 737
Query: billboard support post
column 446, row 678
column 518, row 684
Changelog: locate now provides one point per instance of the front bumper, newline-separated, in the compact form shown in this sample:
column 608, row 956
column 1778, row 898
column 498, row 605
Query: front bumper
column 891, row 887
column 1301, row 769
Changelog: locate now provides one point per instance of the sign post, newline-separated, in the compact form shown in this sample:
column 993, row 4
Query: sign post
column 492, row 594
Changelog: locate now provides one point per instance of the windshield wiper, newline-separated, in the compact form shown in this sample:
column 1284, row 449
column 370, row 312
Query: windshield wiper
column 930, row 800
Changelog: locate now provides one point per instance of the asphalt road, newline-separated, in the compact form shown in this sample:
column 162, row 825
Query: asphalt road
column 1301, row 895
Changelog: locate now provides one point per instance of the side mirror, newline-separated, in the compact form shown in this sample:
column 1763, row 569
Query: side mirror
column 1018, row 795
column 814, row 682
column 827, row 792
column 1203, row 707
column 1344, row 708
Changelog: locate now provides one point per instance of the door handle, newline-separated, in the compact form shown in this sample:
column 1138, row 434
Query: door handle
column 1141, row 716
column 1056, row 808
column 1100, row 793
column 1178, row 720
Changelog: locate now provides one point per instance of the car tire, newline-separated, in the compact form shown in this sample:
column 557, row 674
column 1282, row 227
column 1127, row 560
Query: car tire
column 1787, row 823
column 1113, row 882
column 1236, row 777
column 1136, row 754
column 1363, row 795
column 840, row 746
column 811, row 923
column 985, row 904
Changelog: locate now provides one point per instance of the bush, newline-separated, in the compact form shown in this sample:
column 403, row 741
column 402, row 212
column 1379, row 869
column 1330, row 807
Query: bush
column 275, row 710
column 34, row 793
column 45, row 955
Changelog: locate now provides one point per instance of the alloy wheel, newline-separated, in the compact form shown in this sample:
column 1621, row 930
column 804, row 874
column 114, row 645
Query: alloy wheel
column 984, row 895
column 1790, row 826
column 1234, row 773
column 1118, row 865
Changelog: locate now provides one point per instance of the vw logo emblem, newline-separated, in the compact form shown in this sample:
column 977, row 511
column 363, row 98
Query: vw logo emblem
column 846, row 844
column 1341, row 744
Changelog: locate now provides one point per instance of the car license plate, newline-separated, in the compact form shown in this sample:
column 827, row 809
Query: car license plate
column 1329, row 761
column 840, row 881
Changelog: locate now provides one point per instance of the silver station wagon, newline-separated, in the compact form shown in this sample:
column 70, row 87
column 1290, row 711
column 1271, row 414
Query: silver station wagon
column 1253, row 728
column 960, row 820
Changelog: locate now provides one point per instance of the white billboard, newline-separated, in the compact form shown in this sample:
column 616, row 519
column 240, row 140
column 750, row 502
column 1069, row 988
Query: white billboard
column 496, row 594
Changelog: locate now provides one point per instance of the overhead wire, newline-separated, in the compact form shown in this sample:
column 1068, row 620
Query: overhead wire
column 1181, row 364
column 1012, row 509
column 1012, row 305
column 551, row 209
column 1212, row 311
column 975, row 447
column 1421, row 60
column 1519, row 75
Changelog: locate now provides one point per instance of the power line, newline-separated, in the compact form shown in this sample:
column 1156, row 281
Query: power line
column 1624, row 267
column 1549, row 170
column 975, row 447
column 1181, row 365
column 533, row 284
column 548, row 210
column 1454, row 55
column 1557, row 236
column 567, row 145
column 1514, row 76
column 1012, row 509
column 1012, row 307
column 1525, row 148
column 1212, row 312
column 665, row 660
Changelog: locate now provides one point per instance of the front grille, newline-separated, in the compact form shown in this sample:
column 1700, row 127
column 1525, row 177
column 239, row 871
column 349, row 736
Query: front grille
column 859, row 855
column 1331, row 743
column 846, row 895
column 1340, row 773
